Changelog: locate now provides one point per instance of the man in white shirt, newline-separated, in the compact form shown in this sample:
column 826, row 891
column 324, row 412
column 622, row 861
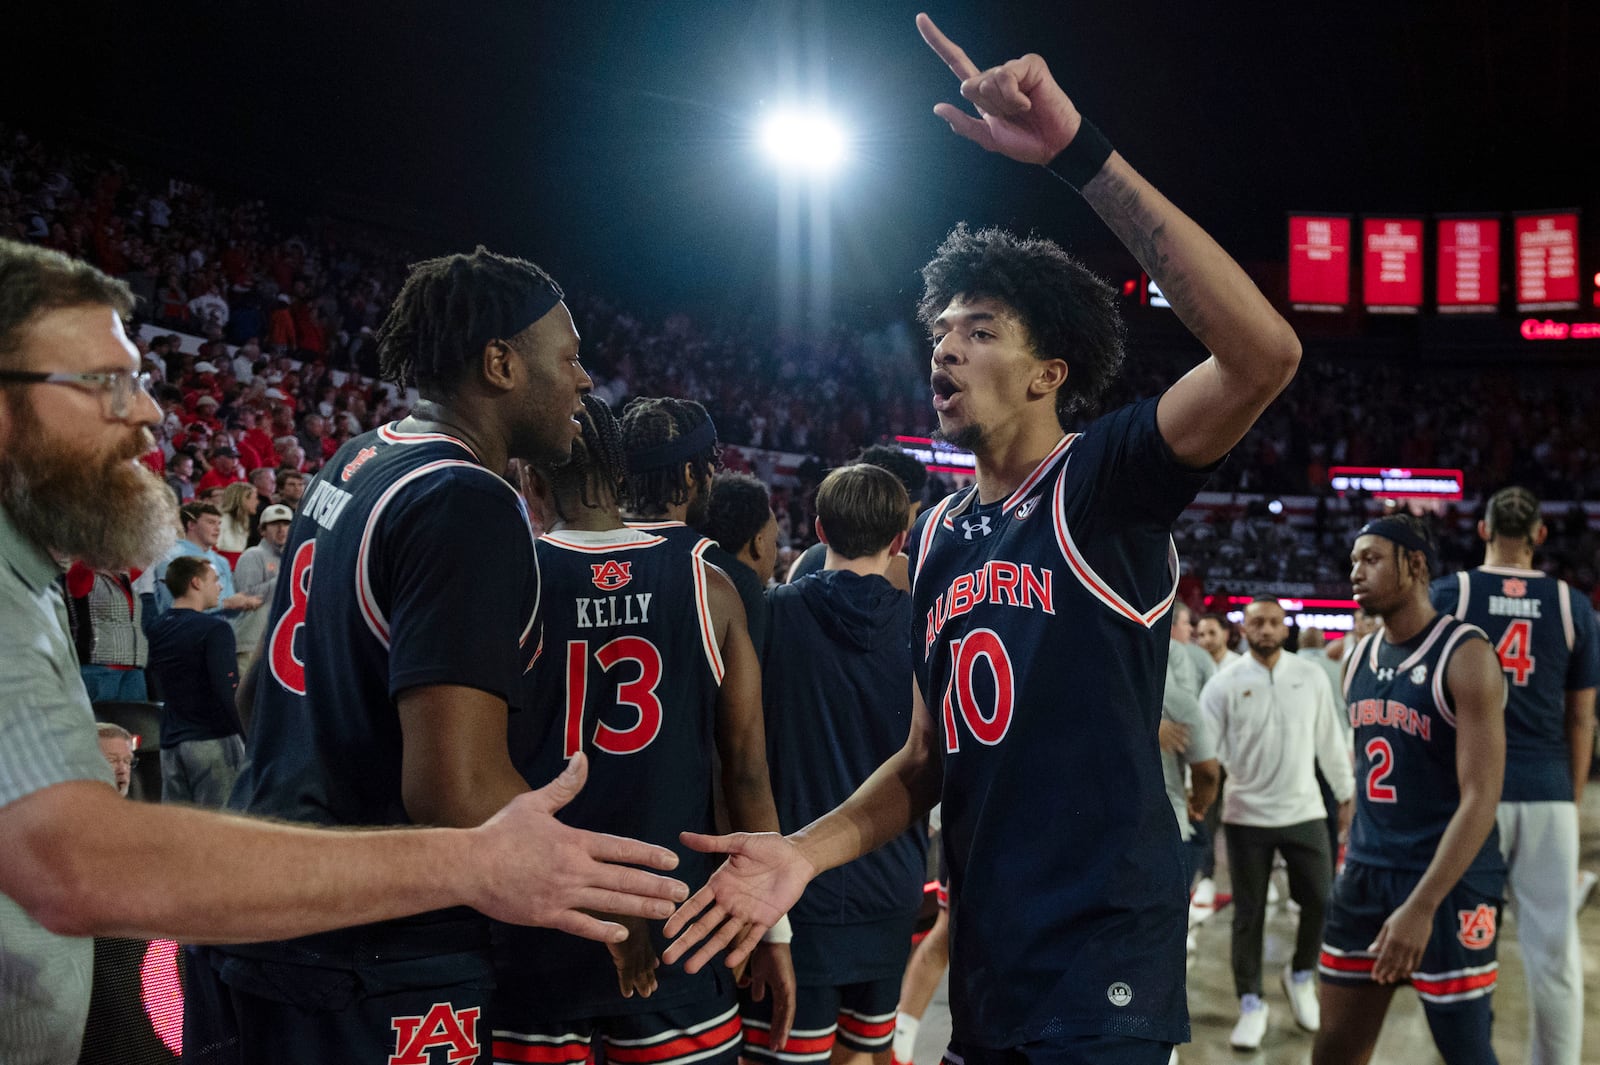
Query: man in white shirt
column 1276, row 724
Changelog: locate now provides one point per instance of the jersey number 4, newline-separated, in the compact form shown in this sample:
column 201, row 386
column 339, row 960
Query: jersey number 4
column 961, row 695
column 638, row 693
column 288, row 668
column 1515, row 649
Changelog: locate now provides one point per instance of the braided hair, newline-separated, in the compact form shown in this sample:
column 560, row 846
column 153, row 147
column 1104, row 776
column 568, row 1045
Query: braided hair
column 447, row 311
column 649, row 422
column 1513, row 512
column 599, row 465
column 1424, row 531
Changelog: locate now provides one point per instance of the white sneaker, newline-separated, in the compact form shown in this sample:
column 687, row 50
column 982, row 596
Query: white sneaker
column 1203, row 903
column 1174, row 1059
column 1302, row 992
column 1252, row 1024
column 1272, row 892
column 1586, row 882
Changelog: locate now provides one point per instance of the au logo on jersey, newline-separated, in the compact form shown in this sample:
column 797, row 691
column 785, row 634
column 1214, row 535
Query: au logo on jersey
column 456, row 1031
column 356, row 463
column 1419, row 675
column 1514, row 587
column 1477, row 927
column 611, row 575
column 981, row 526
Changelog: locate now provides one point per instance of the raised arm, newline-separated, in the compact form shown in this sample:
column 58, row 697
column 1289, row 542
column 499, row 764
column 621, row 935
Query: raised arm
column 1478, row 688
column 1024, row 115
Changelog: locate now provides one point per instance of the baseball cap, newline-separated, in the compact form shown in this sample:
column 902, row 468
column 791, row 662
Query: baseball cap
column 276, row 512
column 206, row 400
column 204, row 367
column 224, row 452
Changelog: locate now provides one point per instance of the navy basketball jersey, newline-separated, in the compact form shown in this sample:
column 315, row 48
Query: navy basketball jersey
column 628, row 670
column 1405, row 744
column 1041, row 627
column 1545, row 637
column 409, row 564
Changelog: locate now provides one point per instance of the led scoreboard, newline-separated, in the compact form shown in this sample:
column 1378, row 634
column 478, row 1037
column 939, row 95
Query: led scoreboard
column 1394, row 482
column 938, row 456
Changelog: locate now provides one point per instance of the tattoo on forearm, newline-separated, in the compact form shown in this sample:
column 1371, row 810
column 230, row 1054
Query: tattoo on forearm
column 1142, row 231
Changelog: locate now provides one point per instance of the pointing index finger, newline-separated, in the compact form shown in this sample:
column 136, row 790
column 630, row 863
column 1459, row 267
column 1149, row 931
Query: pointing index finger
column 948, row 50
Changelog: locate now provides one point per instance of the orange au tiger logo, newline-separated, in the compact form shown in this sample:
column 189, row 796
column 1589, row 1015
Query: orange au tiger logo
column 1514, row 587
column 1477, row 927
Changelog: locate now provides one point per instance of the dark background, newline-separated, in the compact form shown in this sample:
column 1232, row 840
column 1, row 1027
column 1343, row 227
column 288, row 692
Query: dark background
column 613, row 142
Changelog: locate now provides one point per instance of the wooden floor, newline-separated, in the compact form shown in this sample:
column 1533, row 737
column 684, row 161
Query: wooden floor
column 1405, row 1040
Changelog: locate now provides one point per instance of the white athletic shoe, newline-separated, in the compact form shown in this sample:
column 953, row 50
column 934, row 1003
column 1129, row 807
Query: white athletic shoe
column 1272, row 892
column 1203, row 903
column 1586, row 882
column 1174, row 1059
column 1302, row 992
column 1252, row 1024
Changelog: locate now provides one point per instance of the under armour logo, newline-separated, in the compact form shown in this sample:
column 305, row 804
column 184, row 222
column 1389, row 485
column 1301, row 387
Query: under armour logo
column 1385, row 675
column 981, row 526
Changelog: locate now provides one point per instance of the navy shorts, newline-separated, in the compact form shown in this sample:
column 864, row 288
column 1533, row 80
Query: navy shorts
column 706, row 1032
column 1065, row 1050
column 859, row 1016
column 1458, row 966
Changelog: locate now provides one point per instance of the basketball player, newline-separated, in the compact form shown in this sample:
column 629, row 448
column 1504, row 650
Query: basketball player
column 1545, row 637
column 644, row 666
column 1418, row 899
column 1042, row 608
column 399, row 634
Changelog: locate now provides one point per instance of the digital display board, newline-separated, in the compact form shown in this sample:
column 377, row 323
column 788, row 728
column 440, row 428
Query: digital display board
column 1391, row 265
column 1333, row 616
column 1468, row 260
column 1319, row 262
column 938, row 456
column 1547, row 260
column 1394, row 482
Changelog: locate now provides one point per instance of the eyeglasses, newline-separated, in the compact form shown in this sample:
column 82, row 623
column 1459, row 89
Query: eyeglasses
column 131, row 763
column 117, row 390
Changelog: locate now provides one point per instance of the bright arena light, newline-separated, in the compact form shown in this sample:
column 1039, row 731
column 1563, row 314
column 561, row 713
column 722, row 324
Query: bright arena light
column 801, row 140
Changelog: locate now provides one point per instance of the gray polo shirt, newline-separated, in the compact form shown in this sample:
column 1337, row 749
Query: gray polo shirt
column 47, row 736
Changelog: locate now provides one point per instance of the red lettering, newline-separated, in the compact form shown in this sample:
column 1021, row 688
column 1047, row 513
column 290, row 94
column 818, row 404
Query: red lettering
column 1003, row 577
column 961, row 599
column 454, row 1030
column 1036, row 586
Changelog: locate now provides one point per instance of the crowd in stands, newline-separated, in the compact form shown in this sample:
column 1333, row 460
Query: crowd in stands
column 285, row 375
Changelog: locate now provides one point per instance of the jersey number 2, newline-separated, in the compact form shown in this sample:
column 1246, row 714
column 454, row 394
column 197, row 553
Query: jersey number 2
column 638, row 693
column 980, row 645
column 1381, row 755
column 288, row 668
column 1514, row 651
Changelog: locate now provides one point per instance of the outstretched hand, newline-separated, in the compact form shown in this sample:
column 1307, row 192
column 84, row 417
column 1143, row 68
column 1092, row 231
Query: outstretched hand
column 537, row 871
column 762, row 878
column 1022, row 112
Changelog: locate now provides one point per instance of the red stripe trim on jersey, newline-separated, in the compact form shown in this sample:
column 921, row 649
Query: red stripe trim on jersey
column 563, row 1053
column 721, row 1035
column 394, row 436
column 1482, row 982
column 1439, row 696
column 865, row 1028
column 1039, row 472
column 930, row 527
column 702, row 607
column 1463, row 593
column 1439, row 625
column 371, row 613
column 1564, row 596
column 556, row 540
column 1092, row 581
column 954, row 509
column 760, row 1037
column 1346, row 963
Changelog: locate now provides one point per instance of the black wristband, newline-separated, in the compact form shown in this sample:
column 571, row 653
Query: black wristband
column 1083, row 158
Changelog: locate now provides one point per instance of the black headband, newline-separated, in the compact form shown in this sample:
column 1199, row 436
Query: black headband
column 701, row 438
column 536, row 302
column 1397, row 531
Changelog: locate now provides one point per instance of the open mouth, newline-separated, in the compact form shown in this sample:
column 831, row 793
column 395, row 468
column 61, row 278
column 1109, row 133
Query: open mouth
column 945, row 390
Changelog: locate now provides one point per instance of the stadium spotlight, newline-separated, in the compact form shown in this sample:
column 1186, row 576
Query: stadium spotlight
column 807, row 141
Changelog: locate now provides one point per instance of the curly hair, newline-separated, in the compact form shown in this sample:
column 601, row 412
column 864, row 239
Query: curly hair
column 648, row 422
column 1068, row 311
column 448, row 309
column 740, row 508
column 599, row 462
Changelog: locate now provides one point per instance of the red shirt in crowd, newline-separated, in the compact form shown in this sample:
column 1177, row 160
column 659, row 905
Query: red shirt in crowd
column 216, row 479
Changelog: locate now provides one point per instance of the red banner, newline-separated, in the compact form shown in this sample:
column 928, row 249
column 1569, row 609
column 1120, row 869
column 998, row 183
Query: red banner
column 1469, row 265
column 1319, row 262
column 1391, row 265
column 1547, row 261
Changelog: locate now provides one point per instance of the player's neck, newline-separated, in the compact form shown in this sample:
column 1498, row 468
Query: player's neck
column 866, row 566
column 1516, row 554
column 1404, row 622
column 590, row 519
column 1270, row 662
column 429, row 416
column 1008, row 454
